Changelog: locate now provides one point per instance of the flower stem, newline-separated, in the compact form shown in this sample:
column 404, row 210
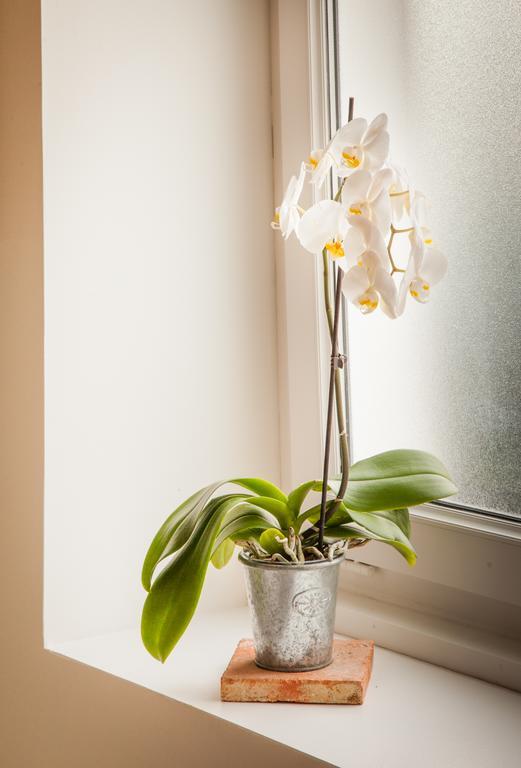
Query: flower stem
column 335, row 394
column 394, row 232
column 335, row 386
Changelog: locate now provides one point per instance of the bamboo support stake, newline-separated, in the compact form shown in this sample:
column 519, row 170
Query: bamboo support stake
column 335, row 383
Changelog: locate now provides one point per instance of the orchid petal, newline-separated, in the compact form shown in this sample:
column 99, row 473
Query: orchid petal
column 381, row 211
column 292, row 222
column 377, row 243
column 354, row 245
column 434, row 266
column 299, row 184
column 320, row 224
column 405, row 283
column 382, row 180
column 371, row 261
column 362, row 224
column 377, row 125
column 386, row 287
column 417, row 250
column 356, row 188
column 375, row 153
column 320, row 173
column 288, row 211
column 350, row 135
column 419, row 209
column 356, row 283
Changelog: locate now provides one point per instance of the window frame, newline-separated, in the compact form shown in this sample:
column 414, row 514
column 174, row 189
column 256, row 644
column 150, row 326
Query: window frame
column 481, row 562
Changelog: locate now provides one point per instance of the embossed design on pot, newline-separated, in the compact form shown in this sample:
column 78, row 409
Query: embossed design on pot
column 312, row 602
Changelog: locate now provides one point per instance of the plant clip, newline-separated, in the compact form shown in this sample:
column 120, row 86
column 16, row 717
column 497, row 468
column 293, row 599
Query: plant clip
column 337, row 361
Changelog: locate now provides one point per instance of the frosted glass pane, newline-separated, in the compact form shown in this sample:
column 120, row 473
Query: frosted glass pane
column 446, row 376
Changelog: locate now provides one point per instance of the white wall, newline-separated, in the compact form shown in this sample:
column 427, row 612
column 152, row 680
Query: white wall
column 159, row 283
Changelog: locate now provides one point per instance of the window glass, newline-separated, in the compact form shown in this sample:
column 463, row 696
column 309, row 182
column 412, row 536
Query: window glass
column 445, row 377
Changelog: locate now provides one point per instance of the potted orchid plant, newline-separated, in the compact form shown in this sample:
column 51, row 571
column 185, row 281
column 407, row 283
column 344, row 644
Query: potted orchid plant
column 290, row 544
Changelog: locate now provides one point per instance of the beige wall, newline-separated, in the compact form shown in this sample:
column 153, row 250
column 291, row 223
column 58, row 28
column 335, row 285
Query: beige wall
column 54, row 712
column 158, row 198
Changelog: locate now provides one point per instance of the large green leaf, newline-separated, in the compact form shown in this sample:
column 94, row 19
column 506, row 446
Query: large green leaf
column 297, row 496
column 174, row 595
column 396, row 479
column 395, row 538
column 179, row 526
column 278, row 509
column 261, row 487
column 161, row 541
column 222, row 555
column 244, row 520
column 399, row 516
column 341, row 515
column 187, row 527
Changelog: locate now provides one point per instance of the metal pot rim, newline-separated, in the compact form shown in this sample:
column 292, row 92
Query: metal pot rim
column 308, row 565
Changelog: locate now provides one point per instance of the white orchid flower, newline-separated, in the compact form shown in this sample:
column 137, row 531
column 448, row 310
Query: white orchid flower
column 353, row 146
column 314, row 158
column 426, row 267
column 287, row 216
column 365, row 194
column 368, row 284
column 367, row 281
column 367, row 149
column 362, row 235
column 400, row 193
column 324, row 225
column 419, row 217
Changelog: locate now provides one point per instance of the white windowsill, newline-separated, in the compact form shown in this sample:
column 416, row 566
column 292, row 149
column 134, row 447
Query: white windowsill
column 415, row 713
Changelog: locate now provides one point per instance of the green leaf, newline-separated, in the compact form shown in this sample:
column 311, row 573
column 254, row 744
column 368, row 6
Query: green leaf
column 174, row 595
column 179, row 526
column 395, row 538
column 187, row 527
column 160, row 543
column 399, row 516
column 223, row 554
column 297, row 496
column 278, row 509
column 312, row 514
column 261, row 488
column 244, row 520
column 340, row 515
column 396, row 479
column 269, row 540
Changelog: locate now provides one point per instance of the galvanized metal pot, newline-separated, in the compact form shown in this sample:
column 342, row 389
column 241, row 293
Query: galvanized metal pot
column 293, row 612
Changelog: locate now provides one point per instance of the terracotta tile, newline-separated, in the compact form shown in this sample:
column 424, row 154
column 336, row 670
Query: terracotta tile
column 344, row 681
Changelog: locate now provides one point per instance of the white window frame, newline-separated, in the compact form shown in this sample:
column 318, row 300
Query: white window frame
column 460, row 607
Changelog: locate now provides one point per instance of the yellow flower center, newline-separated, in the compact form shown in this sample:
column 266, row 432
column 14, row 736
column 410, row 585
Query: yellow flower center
column 428, row 241
column 335, row 248
column 420, row 290
column 355, row 211
column 313, row 161
column 351, row 160
column 368, row 301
